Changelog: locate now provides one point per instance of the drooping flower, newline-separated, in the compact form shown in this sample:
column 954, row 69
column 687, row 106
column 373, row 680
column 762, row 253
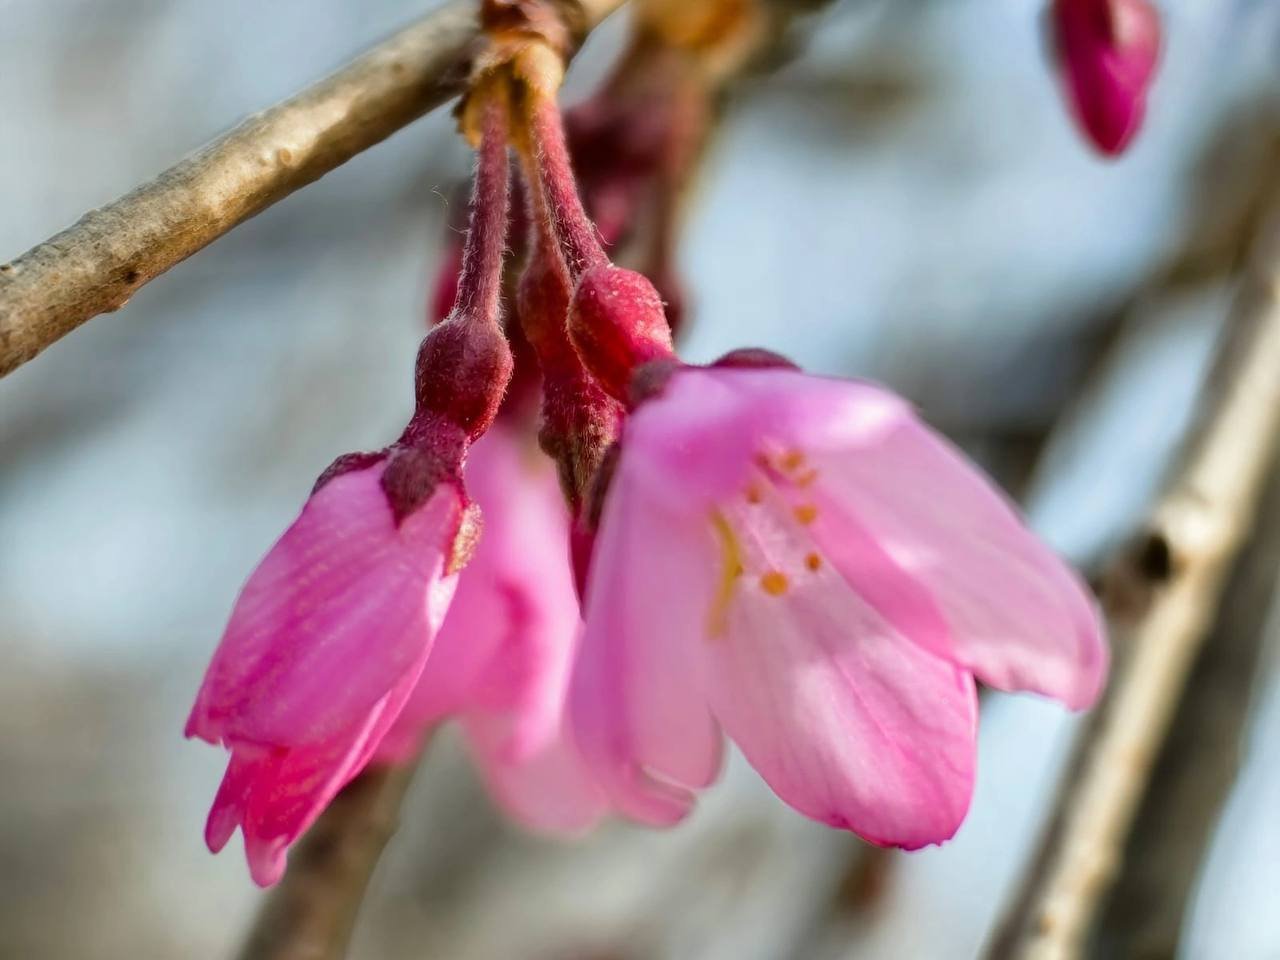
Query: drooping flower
column 324, row 645
column 330, row 633
column 793, row 561
column 501, row 662
column 1107, row 51
column 800, row 563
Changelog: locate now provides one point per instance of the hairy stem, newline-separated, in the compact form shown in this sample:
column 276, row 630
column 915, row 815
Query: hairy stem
column 557, row 190
column 480, row 280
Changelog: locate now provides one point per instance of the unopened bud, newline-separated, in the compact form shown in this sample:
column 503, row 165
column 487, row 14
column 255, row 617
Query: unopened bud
column 616, row 323
column 1108, row 51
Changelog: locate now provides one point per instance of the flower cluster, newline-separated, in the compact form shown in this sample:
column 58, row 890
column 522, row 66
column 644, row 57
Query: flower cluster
column 795, row 562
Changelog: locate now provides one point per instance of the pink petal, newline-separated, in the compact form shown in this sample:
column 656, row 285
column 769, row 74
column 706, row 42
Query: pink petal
column 849, row 723
column 913, row 526
column 507, row 640
column 636, row 700
column 1019, row 617
column 708, row 427
column 548, row 789
column 339, row 611
column 528, row 567
column 276, row 794
column 847, row 720
column 232, row 798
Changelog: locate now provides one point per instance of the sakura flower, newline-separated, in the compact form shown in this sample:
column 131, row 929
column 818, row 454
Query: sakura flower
column 1108, row 51
column 331, row 631
column 794, row 561
column 800, row 563
column 501, row 661
column 324, row 645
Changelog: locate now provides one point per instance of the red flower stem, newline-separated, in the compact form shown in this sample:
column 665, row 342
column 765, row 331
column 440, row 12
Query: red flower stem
column 465, row 364
column 573, row 231
column 480, row 278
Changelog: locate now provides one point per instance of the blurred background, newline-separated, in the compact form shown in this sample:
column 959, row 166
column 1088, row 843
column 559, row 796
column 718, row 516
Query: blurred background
column 901, row 196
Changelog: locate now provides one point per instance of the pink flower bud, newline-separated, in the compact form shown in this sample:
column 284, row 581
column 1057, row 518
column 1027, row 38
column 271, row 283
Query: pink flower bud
column 1107, row 51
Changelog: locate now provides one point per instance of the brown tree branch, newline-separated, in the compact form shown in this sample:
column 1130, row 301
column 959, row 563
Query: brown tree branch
column 1143, row 916
column 311, row 913
column 98, row 263
column 1161, row 596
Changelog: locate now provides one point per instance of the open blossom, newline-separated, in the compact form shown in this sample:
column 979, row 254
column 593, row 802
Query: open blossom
column 800, row 563
column 1108, row 51
column 324, row 645
column 501, row 662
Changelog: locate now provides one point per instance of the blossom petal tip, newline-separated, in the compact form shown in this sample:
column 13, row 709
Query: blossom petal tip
column 221, row 824
column 198, row 727
column 267, row 862
column 655, row 803
column 918, row 837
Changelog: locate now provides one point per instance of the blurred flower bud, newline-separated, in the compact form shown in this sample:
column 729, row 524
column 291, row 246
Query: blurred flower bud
column 1107, row 52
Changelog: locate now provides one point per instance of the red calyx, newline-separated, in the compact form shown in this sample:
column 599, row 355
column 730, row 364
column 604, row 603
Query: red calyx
column 579, row 420
column 754, row 357
column 462, row 372
column 428, row 453
column 617, row 323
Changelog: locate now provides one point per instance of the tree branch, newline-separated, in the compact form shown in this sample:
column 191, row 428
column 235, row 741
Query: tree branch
column 98, row 263
column 1161, row 596
column 1143, row 916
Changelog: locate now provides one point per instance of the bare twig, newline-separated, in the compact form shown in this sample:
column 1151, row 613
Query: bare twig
column 1161, row 596
column 97, row 264
column 1143, row 917
column 311, row 914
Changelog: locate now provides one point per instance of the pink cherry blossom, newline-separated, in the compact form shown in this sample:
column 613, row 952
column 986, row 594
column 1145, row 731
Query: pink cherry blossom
column 324, row 645
column 1108, row 51
column 331, row 632
column 799, row 562
column 501, row 661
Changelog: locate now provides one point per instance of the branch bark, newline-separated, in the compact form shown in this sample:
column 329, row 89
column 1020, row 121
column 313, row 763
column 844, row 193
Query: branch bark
column 1161, row 595
column 1144, row 914
column 310, row 915
column 98, row 263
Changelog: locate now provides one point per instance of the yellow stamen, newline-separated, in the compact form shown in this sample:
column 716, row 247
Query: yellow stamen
column 730, row 571
column 806, row 479
column 806, row 513
column 774, row 583
column 753, row 494
column 792, row 460
column 813, row 562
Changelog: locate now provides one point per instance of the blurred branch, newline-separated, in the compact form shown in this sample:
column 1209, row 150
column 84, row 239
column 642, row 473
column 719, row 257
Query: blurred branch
column 1144, row 914
column 1161, row 595
column 98, row 263
column 310, row 914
